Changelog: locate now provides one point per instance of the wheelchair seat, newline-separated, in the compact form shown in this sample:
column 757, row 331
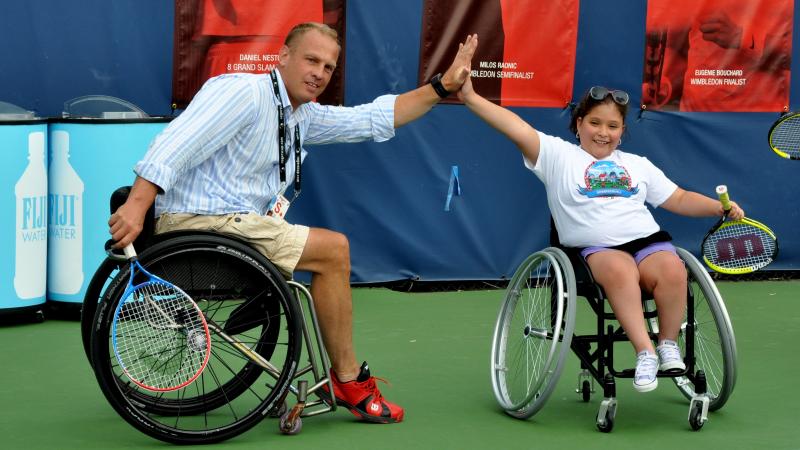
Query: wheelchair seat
column 585, row 284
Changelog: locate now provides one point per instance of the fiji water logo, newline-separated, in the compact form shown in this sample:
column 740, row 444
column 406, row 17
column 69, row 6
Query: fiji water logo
column 33, row 225
column 62, row 217
column 607, row 179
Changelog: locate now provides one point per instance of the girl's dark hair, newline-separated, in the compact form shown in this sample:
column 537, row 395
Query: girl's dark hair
column 588, row 103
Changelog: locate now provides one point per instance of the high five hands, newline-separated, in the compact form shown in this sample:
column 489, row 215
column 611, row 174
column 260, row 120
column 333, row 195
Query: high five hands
column 459, row 70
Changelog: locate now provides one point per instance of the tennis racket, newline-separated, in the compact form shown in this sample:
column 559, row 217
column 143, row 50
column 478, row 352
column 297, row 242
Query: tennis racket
column 738, row 246
column 159, row 335
column 784, row 136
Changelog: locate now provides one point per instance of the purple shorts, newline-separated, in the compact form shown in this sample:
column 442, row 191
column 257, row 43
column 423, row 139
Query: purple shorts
column 638, row 256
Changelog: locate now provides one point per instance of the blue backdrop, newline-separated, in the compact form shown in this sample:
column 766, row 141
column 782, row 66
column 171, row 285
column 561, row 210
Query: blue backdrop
column 389, row 198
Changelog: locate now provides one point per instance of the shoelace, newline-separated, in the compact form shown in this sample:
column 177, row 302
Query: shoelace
column 669, row 352
column 372, row 387
column 646, row 366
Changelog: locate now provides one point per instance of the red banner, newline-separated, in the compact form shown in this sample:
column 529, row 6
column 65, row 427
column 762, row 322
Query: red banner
column 526, row 55
column 213, row 37
column 718, row 55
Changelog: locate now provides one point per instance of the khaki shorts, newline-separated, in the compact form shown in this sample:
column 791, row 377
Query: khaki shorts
column 281, row 242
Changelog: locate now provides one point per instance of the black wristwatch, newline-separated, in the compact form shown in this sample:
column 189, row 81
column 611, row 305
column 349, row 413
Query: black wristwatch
column 436, row 82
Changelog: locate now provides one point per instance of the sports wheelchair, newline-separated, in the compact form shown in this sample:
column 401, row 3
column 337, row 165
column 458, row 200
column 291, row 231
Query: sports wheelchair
column 536, row 328
column 260, row 326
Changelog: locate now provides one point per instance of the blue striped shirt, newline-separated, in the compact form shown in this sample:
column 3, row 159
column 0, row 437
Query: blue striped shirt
column 220, row 155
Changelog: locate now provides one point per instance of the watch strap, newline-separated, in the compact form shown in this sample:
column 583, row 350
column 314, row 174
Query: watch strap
column 436, row 82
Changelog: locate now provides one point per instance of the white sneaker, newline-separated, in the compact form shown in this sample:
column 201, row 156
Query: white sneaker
column 670, row 355
column 646, row 368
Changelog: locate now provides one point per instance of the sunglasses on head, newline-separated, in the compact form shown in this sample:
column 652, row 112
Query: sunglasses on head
column 600, row 93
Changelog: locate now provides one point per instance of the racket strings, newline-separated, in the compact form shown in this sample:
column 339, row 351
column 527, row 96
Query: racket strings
column 161, row 337
column 785, row 136
column 739, row 246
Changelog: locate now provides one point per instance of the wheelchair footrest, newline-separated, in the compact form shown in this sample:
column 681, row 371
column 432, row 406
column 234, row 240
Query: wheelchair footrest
column 631, row 373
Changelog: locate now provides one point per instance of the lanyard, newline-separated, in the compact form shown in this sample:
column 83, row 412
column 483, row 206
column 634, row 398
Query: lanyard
column 283, row 152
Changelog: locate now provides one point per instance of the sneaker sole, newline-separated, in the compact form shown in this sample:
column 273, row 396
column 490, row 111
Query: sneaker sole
column 646, row 387
column 673, row 365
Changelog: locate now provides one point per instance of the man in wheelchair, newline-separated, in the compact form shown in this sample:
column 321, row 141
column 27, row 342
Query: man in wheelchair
column 222, row 165
column 597, row 196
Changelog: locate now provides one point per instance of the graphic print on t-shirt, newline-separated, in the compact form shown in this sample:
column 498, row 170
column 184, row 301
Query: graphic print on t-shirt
column 607, row 179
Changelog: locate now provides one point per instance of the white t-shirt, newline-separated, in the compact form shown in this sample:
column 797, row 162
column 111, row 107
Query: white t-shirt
column 599, row 202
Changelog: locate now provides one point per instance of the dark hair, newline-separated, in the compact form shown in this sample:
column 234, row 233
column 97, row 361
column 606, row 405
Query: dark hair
column 587, row 104
column 302, row 28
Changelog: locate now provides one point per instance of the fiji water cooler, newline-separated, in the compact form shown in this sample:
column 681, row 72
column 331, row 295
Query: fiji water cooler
column 23, row 227
column 93, row 149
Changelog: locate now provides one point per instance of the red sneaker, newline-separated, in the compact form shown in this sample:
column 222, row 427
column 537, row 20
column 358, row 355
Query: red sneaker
column 362, row 397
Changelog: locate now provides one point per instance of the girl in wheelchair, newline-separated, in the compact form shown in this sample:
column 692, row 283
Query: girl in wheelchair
column 597, row 195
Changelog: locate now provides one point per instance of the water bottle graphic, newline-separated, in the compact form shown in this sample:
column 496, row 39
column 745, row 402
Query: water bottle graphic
column 30, row 265
column 65, row 221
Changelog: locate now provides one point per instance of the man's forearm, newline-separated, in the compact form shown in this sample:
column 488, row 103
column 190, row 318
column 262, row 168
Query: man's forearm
column 143, row 194
column 414, row 104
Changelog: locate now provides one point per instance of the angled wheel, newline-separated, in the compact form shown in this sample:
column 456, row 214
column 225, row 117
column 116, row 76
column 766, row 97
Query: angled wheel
column 94, row 292
column 533, row 333
column 714, row 341
column 249, row 302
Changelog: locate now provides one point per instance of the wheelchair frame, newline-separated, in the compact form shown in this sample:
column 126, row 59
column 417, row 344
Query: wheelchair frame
column 259, row 326
column 541, row 296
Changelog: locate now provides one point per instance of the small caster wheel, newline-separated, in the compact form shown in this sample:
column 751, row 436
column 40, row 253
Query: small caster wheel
column 696, row 420
column 606, row 415
column 291, row 425
column 607, row 424
column 586, row 390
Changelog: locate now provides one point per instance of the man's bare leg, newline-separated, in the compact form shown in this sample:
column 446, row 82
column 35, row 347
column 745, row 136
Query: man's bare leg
column 327, row 257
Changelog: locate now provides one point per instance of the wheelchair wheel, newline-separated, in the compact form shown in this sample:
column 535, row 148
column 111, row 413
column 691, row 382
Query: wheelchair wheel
column 248, row 299
column 158, row 404
column 533, row 333
column 715, row 344
column 94, row 292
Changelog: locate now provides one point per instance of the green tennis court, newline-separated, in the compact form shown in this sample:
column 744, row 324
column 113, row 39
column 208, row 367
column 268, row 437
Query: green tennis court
column 434, row 349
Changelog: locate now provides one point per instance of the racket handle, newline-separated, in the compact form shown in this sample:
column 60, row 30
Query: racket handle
column 130, row 252
column 722, row 193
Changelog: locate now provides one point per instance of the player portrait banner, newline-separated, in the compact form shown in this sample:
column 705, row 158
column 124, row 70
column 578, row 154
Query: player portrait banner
column 718, row 55
column 526, row 55
column 213, row 37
